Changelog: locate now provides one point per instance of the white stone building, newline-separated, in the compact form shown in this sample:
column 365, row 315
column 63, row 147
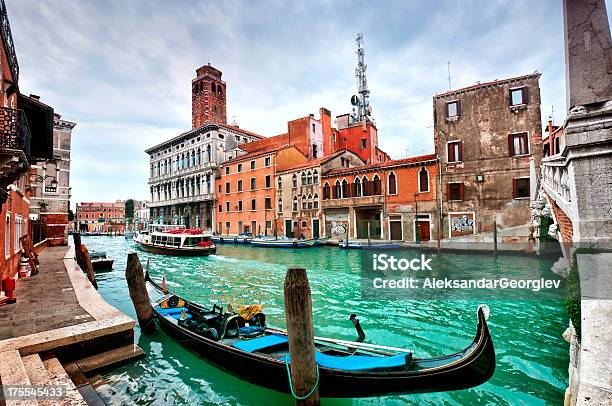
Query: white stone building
column 182, row 173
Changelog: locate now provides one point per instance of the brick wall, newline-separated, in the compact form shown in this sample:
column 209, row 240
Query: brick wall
column 15, row 206
column 566, row 228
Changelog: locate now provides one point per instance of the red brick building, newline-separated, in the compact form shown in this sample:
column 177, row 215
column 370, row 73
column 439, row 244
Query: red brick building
column 100, row 217
column 382, row 201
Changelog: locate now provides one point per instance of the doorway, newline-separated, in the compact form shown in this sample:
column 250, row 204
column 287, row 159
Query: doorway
column 315, row 228
column 288, row 229
column 395, row 228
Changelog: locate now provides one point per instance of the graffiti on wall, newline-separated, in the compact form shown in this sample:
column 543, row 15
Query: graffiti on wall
column 461, row 224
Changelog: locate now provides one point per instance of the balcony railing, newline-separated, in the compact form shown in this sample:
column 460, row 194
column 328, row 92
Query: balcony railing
column 14, row 130
column 555, row 177
column 7, row 37
column 181, row 200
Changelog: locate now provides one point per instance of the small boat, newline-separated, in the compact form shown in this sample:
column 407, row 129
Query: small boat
column 282, row 242
column 99, row 261
column 320, row 241
column 175, row 240
column 369, row 245
column 259, row 354
column 242, row 238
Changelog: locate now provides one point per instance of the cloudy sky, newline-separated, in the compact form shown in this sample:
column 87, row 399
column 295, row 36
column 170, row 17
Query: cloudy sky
column 122, row 69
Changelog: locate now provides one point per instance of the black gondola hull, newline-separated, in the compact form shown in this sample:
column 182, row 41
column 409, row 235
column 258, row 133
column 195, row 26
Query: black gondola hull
column 471, row 367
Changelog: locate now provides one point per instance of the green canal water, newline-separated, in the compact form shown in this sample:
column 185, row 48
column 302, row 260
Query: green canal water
column 532, row 357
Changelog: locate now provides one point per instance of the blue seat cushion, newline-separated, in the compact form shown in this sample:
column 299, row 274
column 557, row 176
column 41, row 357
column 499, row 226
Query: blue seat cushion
column 169, row 311
column 177, row 316
column 359, row 362
column 260, row 343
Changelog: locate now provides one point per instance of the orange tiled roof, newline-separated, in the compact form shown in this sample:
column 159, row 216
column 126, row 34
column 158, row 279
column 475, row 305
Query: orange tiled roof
column 276, row 141
column 253, row 154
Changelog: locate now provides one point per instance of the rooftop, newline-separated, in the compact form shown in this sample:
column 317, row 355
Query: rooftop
column 496, row 82
column 381, row 165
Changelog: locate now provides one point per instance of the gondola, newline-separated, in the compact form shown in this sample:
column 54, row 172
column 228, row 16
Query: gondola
column 347, row 369
column 99, row 261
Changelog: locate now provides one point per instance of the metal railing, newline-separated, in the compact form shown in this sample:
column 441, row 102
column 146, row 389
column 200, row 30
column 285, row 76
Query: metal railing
column 7, row 38
column 14, row 130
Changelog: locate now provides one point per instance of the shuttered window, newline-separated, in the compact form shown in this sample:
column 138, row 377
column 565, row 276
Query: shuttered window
column 455, row 151
column 518, row 144
column 455, row 191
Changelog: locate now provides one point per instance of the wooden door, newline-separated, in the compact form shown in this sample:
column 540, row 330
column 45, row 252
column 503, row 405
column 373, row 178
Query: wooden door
column 424, row 230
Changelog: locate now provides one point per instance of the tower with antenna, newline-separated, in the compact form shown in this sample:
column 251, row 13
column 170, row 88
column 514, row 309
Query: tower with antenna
column 360, row 102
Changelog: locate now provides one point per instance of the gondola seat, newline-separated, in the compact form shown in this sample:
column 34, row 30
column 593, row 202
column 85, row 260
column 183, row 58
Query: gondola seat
column 258, row 344
column 362, row 362
column 169, row 311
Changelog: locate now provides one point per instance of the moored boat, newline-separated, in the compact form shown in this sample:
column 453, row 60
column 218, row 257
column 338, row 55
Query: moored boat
column 175, row 240
column 99, row 261
column 260, row 354
column 282, row 242
column 371, row 245
column 243, row 238
column 320, row 241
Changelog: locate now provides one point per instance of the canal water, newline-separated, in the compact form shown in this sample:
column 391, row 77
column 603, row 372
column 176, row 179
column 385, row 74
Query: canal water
column 532, row 357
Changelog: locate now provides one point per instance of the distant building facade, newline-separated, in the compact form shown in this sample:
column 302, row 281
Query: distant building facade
column 183, row 169
column 100, row 217
column 384, row 201
column 299, row 194
column 489, row 141
column 50, row 184
column 246, row 191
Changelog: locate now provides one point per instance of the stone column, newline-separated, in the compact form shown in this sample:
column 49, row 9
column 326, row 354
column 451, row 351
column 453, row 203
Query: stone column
column 588, row 52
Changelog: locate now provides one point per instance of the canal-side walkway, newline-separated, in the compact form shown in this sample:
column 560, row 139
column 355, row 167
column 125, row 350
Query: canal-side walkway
column 46, row 301
column 61, row 330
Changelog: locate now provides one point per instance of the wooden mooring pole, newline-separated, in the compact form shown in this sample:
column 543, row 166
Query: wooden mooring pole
column 304, row 376
column 134, row 276
column 83, row 260
column 495, row 236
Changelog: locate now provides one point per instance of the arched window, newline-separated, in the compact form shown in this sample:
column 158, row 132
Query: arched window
column 316, row 201
column 304, row 178
column 304, row 202
column 213, row 88
column 220, row 90
column 280, row 205
column 376, row 185
column 337, row 190
column 208, row 153
column 392, row 184
column 326, row 191
column 295, row 203
column 423, row 180
column 280, row 182
column 345, row 191
column 366, row 187
column 309, row 177
column 358, row 187
column 309, row 200
column 315, row 176
column 193, row 158
column 199, row 157
column 294, row 180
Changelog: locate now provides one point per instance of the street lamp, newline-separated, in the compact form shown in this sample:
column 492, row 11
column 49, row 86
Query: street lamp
column 416, row 219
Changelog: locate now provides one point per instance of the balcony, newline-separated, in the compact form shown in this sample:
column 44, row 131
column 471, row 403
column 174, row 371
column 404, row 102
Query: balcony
column 15, row 139
column 352, row 194
column 182, row 200
column 204, row 166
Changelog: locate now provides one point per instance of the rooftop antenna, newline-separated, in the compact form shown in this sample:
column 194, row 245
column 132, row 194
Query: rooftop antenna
column 552, row 113
column 448, row 63
column 234, row 123
column 361, row 102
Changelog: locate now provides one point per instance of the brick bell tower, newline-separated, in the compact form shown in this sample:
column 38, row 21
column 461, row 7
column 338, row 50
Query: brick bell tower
column 208, row 97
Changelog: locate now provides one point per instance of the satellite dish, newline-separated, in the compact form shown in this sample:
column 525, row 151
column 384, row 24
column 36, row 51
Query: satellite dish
column 354, row 100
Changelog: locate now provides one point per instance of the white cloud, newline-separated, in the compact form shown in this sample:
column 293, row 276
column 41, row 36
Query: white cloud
column 122, row 70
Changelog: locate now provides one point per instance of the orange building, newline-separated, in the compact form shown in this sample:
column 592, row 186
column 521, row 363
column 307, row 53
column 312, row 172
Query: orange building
column 101, row 217
column 382, row 201
column 246, row 191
